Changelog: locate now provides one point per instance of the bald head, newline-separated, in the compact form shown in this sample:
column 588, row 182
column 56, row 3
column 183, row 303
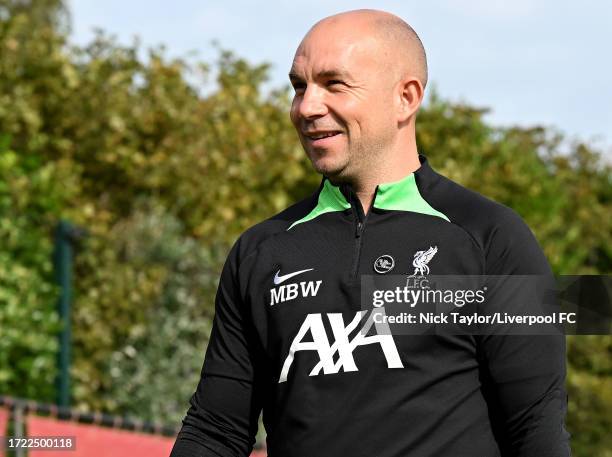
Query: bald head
column 399, row 47
column 359, row 79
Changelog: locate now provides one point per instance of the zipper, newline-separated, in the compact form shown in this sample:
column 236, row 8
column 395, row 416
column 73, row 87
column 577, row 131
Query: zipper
column 360, row 223
column 357, row 252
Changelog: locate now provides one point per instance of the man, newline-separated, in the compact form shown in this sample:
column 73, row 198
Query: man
column 287, row 335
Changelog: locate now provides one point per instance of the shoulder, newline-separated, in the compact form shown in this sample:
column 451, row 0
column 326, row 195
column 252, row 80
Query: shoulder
column 507, row 243
column 255, row 235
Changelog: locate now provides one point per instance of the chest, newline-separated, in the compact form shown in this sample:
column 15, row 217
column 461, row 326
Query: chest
column 305, row 289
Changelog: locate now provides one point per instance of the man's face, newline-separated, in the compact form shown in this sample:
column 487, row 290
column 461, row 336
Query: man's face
column 343, row 90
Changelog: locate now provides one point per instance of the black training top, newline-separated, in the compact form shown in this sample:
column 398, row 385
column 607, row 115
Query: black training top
column 286, row 336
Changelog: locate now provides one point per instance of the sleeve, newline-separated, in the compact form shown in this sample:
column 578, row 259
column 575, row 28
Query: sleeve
column 223, row 417
column 523, row 376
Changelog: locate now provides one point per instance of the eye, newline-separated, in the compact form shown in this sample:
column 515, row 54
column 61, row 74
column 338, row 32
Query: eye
column 332, row 82
column 298, row 86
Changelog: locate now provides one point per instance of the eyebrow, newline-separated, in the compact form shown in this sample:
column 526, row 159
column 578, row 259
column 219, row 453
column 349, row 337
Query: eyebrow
column 323, row 74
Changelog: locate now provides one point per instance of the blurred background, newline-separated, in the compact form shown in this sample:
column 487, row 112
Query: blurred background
column 134, row 150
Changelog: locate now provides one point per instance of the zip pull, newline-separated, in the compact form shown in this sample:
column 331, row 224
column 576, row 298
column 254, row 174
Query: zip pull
column 358, row 229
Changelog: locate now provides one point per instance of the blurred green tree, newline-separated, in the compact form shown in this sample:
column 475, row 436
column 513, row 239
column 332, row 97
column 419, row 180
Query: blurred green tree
column 32, row 193
column 165, row 178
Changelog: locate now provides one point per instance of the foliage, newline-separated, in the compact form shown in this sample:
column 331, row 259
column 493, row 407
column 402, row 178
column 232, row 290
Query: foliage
column 174, row 325
column 164, row 178
column 590, row 394
column 30, row 199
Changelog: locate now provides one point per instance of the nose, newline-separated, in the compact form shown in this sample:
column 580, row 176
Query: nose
column 311, row 104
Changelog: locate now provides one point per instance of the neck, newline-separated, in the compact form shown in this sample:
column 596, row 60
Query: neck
column 396, row 164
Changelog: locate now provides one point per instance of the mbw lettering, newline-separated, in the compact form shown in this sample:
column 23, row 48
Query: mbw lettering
column 291, row 291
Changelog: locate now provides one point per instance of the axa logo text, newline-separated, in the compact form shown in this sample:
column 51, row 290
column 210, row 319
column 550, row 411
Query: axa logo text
column 343, row 346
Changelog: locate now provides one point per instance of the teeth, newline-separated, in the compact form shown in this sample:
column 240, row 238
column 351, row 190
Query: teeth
column 323, row 135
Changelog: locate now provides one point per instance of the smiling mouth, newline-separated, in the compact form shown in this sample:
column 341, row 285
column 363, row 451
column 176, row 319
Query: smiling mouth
column 321, row 136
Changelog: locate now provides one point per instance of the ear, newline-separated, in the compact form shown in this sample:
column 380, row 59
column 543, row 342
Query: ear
column 409, row 95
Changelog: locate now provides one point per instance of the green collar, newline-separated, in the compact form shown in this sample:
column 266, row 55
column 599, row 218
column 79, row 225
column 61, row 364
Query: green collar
column 330, row 199
column 402, row 195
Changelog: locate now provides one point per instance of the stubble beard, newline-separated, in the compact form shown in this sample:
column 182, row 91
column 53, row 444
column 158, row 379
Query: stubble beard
column 335, row 168
column 354, row 161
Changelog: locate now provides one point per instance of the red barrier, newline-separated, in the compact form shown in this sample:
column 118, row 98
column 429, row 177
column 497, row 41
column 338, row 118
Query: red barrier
column 95, row 441
column 4, row 416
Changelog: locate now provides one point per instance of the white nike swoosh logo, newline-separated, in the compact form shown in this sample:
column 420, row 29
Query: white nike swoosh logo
column 278, row 279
